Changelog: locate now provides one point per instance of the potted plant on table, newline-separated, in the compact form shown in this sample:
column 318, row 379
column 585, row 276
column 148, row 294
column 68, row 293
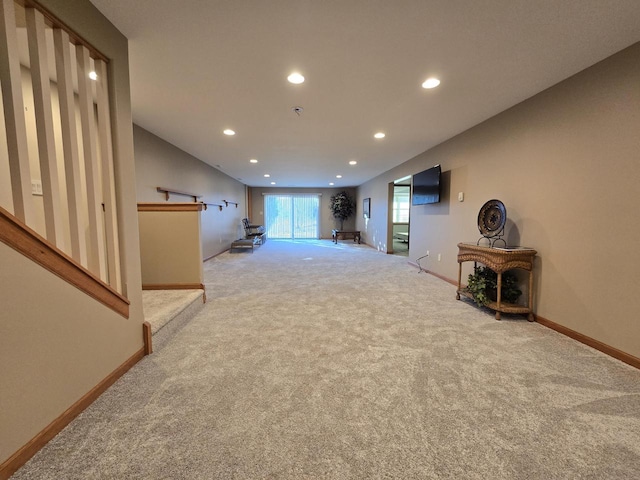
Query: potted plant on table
column 483, row 286
column 342, row 206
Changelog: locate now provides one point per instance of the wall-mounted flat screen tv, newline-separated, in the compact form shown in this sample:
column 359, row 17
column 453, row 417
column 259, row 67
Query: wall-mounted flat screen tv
column 426, row 186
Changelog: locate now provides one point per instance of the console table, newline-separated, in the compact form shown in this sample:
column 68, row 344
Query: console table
column 344, row 235
column 499, row 260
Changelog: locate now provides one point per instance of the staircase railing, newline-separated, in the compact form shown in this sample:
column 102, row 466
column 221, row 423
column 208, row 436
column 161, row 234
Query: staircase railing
column 56, row 170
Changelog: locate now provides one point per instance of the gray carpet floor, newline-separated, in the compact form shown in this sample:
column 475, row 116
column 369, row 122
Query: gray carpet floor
column 161, row 306
column 314, row 360
column 400, row 247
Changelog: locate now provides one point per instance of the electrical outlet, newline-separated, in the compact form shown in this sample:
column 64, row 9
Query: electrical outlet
column 427, row 253
column 439, row 257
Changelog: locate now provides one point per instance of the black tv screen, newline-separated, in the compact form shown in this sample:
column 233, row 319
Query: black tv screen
column 426, row 186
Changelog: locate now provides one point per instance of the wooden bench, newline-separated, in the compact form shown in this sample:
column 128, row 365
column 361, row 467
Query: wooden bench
column 344, row 235
column 242, row 244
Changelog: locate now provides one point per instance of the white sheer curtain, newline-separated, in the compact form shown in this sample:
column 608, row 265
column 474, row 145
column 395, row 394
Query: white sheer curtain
column 292, row 216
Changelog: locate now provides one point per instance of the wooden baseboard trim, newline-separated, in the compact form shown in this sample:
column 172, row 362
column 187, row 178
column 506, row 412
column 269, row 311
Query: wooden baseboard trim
column 598, row 345
column 173, row 286
column 214, row 256
column 15, row 461
column 437, row 275
column 591, row 342
column 442, row 277
column 146, row 336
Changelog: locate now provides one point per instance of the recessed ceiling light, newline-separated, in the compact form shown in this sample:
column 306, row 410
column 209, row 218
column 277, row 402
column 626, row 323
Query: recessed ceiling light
column 338, row 176
column 228, row 131
column 266, row 175
column 295, row 78
column 253, row 160
column 273, row 183
column 353, row 162
column 331, row 183
column 93, row 75
column 379, row 135
column 431, row 83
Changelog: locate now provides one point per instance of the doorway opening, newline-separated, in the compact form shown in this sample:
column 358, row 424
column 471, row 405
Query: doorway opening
column 400, row 203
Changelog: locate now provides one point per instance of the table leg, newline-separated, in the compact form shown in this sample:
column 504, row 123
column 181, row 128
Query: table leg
column 459, row 280
column 499, row 295
column 530, row 304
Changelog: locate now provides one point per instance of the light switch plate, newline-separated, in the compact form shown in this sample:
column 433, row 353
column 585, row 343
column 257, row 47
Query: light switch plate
column 36, row 187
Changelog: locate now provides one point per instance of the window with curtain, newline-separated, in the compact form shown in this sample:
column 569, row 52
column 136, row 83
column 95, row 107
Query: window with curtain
column 292, row 216
column 401, row 202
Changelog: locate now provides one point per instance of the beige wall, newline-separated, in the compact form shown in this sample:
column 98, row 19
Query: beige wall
column 55, row 342
column 170, row 247
column 161, row 164
column 565, row 163
column 327, row 222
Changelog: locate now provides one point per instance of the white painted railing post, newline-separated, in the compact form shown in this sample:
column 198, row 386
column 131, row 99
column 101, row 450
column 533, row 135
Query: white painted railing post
column 70, row 145
column 108, row 183
column 91, row 165
column 44, row 124
column 13, row 103
column 89, row 218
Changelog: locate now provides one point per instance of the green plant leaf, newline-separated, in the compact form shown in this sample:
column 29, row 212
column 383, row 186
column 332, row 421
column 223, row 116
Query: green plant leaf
column 483, row 284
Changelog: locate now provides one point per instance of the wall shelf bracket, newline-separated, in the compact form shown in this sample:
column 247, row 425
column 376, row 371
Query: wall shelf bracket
column 168, row 192
column 211, row 205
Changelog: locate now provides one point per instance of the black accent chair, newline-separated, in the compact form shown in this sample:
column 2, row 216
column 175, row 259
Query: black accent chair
column 255, row 232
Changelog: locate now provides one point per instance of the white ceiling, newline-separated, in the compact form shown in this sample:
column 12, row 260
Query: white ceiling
column 200, row 66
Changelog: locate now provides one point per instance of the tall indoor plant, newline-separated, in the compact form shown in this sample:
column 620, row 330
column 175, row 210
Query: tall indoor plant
column 342, row 206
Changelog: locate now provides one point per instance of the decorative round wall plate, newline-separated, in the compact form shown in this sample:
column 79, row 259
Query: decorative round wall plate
column 492, row 218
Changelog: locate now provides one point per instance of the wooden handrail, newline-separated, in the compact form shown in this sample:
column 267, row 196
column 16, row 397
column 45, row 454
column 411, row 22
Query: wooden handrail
column 27, row 242
column 168, row 191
